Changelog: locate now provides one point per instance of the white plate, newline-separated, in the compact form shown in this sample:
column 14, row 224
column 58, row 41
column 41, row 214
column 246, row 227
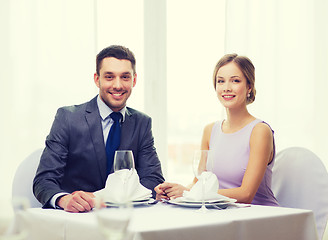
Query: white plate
column 207, row 201
column 143, row 198
column 220, row 203
column 134, row 203
column 221, row 199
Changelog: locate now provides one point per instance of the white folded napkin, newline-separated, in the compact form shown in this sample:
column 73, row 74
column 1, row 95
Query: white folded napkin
column 116, row 191
column 210, row 189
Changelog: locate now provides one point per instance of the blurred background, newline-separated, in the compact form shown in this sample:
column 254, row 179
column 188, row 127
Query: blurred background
column 48, row 50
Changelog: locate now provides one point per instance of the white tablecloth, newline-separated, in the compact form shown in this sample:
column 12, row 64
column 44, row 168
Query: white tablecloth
column 163, row 221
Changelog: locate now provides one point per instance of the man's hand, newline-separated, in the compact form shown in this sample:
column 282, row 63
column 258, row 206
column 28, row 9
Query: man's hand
column 77, row 201
column 168, row 190
column 160, row 194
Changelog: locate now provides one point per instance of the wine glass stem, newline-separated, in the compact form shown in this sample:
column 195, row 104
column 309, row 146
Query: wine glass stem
column 125, row 192
column 203, row 192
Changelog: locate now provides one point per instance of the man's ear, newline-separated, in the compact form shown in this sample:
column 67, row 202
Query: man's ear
column 96, row 79
column 134, row 79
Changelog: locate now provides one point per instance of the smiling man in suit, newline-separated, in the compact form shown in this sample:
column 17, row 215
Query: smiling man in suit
column 76, row 160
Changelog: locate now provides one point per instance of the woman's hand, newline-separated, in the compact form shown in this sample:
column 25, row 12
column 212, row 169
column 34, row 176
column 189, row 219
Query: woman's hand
column 168, row 190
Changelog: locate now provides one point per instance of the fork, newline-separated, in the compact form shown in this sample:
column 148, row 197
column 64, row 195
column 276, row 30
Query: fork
column 217, row 207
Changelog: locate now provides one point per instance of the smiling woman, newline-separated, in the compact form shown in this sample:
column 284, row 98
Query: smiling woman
column 242, row 145
column 234, row 80
column 231, row 89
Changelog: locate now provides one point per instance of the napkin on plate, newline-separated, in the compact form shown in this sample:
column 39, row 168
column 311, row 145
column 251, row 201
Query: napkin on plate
column 210, row 190
column 116, row 191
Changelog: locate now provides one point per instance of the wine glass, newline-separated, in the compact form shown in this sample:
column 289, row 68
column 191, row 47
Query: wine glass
column 12, row 222
column 202, row 162
column 124, row 167
column 113, row 222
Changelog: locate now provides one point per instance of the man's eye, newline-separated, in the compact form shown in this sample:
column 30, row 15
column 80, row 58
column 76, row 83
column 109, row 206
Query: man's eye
column 109, row 77
column 126, row 77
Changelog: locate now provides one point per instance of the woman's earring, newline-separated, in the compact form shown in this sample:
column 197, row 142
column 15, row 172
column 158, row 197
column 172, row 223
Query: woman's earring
column 248, row 95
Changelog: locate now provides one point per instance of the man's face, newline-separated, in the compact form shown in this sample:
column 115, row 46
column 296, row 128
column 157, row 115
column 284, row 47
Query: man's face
column 115, row 82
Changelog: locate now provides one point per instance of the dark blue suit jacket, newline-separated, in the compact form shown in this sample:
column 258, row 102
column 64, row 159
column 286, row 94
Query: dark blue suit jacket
column 75, row 157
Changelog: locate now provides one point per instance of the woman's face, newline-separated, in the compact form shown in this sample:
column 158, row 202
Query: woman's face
column 231, row 86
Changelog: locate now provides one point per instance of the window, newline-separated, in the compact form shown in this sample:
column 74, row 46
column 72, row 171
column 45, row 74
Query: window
column 195, row 42
column 121, row 23
column 57, row 64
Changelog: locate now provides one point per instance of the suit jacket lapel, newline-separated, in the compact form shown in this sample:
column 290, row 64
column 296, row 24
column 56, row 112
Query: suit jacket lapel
column 94, row 122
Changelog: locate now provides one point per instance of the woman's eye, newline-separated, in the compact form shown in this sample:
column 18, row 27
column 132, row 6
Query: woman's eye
column 220, row 81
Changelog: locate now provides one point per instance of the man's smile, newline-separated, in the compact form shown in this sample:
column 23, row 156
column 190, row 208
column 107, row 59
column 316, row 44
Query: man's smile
column 117, row 94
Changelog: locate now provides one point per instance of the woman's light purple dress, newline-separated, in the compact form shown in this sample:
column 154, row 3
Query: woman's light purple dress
column 231, row 155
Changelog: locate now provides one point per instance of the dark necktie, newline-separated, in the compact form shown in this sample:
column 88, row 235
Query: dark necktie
column 113, row 140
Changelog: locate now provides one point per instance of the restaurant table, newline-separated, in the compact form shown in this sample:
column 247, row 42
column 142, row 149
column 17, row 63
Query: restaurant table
column 165, row 221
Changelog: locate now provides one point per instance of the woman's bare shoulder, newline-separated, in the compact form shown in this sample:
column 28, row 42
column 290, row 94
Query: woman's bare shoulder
column 261, row 133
